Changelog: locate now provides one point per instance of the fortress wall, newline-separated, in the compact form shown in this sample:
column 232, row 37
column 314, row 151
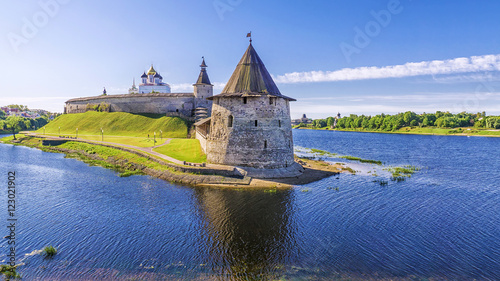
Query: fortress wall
column 267, row 145
column 183, row 104
column 203, row 142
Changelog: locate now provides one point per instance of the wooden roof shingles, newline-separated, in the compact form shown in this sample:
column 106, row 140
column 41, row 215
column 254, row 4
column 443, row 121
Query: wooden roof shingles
column 251, row 78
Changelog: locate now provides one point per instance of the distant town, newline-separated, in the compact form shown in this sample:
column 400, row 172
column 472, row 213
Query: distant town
column 19, row 117
column 23, row 111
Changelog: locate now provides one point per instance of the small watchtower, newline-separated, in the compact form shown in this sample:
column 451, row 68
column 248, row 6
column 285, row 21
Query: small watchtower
column 203, row 90
column 250, row 123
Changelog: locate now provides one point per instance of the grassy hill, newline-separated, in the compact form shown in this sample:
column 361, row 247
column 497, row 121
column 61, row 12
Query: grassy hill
column 117, row 124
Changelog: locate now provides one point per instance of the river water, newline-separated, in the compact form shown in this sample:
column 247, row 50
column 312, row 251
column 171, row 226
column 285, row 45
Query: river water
column 443, row 223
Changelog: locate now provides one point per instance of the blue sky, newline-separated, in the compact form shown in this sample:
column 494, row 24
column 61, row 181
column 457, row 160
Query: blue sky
column 359, row 56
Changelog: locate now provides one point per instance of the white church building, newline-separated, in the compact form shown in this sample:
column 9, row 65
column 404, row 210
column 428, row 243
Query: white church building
column 152, row 82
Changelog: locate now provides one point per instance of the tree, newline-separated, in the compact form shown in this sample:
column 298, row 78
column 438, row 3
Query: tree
column 408, row 117
column 330, row 121
column 13, row 124
column 2, row 113
column 41, row 121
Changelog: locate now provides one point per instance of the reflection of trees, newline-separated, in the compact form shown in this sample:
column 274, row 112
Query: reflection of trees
column 248, row 234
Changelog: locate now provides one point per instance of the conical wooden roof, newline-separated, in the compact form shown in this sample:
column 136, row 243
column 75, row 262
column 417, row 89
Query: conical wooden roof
column 203, row 77
column 251, row 78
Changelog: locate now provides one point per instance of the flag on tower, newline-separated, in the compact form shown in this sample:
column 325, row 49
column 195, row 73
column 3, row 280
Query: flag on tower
column 249, row 34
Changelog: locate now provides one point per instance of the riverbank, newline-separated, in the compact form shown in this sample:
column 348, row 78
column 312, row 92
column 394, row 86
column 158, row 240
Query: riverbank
column 465, row 131
column 128, row 161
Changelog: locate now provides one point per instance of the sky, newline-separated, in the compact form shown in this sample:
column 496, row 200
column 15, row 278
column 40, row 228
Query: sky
column 352, row 57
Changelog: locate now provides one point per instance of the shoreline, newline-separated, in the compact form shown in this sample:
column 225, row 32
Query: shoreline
column 130, row 162
column 403, row 133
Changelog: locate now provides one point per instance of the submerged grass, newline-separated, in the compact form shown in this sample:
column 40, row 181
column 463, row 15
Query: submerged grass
column 9, row 272
column 319, row 152
column 402, row 173
column 352, row 158
column 322, row 152
column 50, row 251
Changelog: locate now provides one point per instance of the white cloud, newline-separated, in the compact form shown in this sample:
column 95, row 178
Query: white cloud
column 436, row 67
column 472, row 77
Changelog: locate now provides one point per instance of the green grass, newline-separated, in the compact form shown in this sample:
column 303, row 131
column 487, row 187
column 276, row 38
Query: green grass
column 183, row 149
column 322, row 152
column 135, row 141
column 10, row 138
column 117, row 124
column 362, row 160
column 402, row 173
column 106, row 152
column 9, row 271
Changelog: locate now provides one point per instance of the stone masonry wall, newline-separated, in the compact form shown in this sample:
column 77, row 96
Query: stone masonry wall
column 181, row 103
column 260, row 135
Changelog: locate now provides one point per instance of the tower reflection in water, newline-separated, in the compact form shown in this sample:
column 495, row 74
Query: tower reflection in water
column 248, row 234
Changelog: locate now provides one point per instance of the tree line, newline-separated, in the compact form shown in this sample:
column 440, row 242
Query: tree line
column 14, row 124
column 386, row 122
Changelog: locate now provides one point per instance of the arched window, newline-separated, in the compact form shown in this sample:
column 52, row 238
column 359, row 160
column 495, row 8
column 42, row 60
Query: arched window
column 265, row 144
column 230, row 121
column 279, row 123
column 245, row 100
column 255, row 123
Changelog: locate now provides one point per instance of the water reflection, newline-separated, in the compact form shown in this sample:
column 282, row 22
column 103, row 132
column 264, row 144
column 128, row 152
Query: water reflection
column 248, row 234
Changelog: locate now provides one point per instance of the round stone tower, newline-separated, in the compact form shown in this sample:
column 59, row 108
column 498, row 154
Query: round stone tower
column 250, row 123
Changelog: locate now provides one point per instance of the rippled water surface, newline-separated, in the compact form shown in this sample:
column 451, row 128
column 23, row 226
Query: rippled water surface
column 442, row 223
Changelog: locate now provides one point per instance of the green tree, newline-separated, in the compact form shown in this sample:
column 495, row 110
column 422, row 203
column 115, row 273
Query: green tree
column 330, row 121
column 408, row 117
column 13, row 124
column 41, row 121
column 27, row 124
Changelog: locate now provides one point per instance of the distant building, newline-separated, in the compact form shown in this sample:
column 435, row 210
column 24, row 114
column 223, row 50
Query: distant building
column 152, row 82
column 154, row 96
column 303, row 120
column 133, row 89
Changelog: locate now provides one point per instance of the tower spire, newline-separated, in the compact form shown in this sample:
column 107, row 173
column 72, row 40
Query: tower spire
column 203, row 64
column 203, row 77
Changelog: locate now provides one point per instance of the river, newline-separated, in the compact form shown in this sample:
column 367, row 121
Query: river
column 442, row 223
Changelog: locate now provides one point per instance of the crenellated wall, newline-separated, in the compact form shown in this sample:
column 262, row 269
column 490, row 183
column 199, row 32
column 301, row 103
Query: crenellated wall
column 257, row 133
